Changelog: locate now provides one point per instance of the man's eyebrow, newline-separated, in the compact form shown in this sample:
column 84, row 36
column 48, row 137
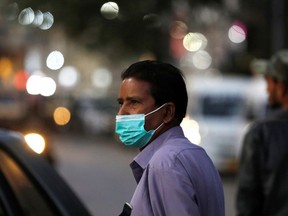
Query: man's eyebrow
column 133, row 98
column 128, row 98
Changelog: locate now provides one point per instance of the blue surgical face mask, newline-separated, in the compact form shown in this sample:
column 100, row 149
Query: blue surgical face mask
column 131, row 131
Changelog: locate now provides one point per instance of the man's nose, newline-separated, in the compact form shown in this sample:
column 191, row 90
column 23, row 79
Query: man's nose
column 123, row 110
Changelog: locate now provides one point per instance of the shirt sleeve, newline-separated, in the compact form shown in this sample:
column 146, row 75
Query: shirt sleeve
column 171, row 193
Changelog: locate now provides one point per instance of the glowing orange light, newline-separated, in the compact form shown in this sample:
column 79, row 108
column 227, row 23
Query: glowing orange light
column 5, row 67
column 61, row 115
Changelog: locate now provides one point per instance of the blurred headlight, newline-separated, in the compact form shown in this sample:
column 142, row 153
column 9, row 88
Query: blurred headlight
column 36, row 142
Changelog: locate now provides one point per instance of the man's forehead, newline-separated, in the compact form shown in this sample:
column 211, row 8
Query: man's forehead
column 134, row 84
column 134, row 88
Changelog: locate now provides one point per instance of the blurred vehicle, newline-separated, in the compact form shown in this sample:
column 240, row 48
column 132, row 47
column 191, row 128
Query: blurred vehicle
column 30, row 185
column 95, row 116
column 16, row 114
column 219, row 112
column 13, row 109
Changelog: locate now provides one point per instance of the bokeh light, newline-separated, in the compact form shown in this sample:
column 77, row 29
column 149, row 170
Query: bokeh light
column 33, row 85
column 101, row 78
column 110, row 10
column 68, row 76
column 48, row 21
column 12, row 11
column 20, row 80
column 61, row 116
column 237, row 32
column 38, row 20
column 38, row 84
column 194, row 41
column 36, row 142
column 5, row 68
column 178, row 29
column 26, row 16
column 202, row 60
column 48, row 86
column 55, row 60
column 191, row 130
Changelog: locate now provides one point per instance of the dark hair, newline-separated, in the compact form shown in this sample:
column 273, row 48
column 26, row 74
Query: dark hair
column 167, row 83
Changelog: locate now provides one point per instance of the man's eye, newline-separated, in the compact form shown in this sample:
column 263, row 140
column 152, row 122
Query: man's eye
column 120, row 103
column 134, row 102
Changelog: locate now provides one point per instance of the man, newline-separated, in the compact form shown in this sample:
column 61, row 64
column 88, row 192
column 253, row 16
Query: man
column 261, row 67
column 263, row 173
column 174, row 176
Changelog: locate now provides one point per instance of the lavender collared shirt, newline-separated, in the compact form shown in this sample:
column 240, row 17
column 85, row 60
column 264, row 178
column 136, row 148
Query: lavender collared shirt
column 176, row 177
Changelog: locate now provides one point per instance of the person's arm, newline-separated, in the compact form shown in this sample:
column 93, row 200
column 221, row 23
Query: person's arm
column 249, row 191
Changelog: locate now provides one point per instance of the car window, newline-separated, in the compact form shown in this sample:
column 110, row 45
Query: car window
column 31, row 200
column 222, row 106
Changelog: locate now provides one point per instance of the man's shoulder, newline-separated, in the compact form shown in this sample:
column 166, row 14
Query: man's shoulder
column 177, row 145
column 273, row 121
column 268, row 129
column 175, row 149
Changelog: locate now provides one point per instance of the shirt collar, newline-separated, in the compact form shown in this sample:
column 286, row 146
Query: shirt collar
column 143, row 158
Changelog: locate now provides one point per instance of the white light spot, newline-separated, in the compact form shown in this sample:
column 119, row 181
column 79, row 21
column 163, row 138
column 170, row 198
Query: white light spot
column 191, row 130
column 55, row 60
column 194, row 42
column 26, row 16
column 48, row 86
column 102, row 78
column 33, row 85
column 36, row 142
column 68, row 76
column 48, row 21
column 37, row 84
column 202, row 60
column 110, row 10
column 237, row 33
column 38, row 20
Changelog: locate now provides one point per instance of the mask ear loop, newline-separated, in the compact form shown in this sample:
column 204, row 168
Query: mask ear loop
column 155, row 110
column 158, row 127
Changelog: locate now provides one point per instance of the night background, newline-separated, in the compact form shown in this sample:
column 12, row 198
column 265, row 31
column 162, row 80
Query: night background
column 60, row 66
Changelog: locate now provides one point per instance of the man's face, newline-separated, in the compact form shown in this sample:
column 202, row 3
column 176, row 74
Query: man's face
column 135, row 98
column 272, row 92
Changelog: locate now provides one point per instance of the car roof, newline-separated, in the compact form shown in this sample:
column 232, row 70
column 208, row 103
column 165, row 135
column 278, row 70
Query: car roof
column 220, row 85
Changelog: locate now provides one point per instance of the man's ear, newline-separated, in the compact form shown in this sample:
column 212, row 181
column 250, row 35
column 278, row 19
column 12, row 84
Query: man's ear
column 169, row 112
